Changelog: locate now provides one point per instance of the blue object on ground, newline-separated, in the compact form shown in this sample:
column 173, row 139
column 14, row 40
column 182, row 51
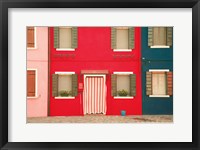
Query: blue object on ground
column 123, row 113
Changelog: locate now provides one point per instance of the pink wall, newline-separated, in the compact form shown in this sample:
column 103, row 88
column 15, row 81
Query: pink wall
column 94, row 53
column 38, row 59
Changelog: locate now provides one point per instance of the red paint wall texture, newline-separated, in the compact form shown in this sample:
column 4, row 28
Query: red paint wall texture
column 94, row 53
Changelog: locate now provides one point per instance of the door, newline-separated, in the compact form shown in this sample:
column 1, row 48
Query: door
column 94, row 95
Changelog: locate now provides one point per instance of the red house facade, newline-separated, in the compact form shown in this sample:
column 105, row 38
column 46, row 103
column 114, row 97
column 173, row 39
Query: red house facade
column 91, row 72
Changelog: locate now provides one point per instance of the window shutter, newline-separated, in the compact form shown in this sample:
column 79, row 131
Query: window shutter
column 131, row 39
column 74, row 84
column 56, row 37
column 30, row 83
column 74, row 37
column 169, row 36
column 54, row 85
column 148, row 83
column 132, row 84
column 169, row 83
column 30, row 37
column 113, row 38
column 150, row 36
column 114, row 85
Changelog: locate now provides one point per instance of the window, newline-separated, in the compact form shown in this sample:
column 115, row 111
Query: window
column 122, row 38
column 65, row 38
column 123, row 84
column 160, row 37
column 159, row 83
column 31, row 83
column 31, row 37
column 64, row 85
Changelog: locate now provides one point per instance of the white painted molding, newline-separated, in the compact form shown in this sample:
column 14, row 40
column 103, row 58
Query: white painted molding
column 123, row 97
column 160, row 46
column 157, row 70
column 64, row 97
column 122, row 50
column 64, row 73
column 159, row 96
column 65, row 49
column 123, row 73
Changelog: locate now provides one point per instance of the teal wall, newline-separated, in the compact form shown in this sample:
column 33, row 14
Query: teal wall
column 155, row 58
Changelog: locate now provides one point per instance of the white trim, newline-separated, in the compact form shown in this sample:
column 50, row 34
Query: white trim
column 123, row 73
column 122, row 50
column 65, row 73
column 159, row 96
column 123, row 97
column 65, row 49
column 159, row 46
column 36, row 83
column 35, row 40
column 156, row 70
column 60, row 97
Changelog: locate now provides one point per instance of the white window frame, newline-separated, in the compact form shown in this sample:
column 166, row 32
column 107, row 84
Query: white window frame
column 36, row 83
column 64, row 73
column 65, row 49
column 35, row 40
column 123, row 97
column 160, row 70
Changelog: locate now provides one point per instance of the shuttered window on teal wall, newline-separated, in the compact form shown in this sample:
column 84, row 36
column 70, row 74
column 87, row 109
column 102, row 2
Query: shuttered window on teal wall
column 160, row 36
column 159, row 83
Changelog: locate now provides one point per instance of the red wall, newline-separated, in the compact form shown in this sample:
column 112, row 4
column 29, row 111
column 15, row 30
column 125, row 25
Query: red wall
column 94, row 53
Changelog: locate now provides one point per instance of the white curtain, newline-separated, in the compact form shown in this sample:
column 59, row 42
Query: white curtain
column 94, row 95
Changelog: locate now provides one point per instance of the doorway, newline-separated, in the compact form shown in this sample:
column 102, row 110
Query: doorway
column 94, row 94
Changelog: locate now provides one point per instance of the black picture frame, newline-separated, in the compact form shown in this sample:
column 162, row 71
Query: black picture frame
column 6, row 4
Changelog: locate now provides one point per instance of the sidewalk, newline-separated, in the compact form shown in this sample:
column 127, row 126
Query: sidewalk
column 103, row 119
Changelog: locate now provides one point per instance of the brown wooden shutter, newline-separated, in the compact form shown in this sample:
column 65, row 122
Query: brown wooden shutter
column 148, row 83
column 30, row 37
column 114, row 85
column 54, row 85
column 131, row 39
column 31, row 83
column 132, row 84
column 169, row 36
column 150, row 36
column 169, row 83
column 74, row 37
column 113, row 38
column 74, row 84
column 56, row 37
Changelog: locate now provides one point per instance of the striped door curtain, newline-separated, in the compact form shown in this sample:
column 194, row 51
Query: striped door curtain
column 94, row 96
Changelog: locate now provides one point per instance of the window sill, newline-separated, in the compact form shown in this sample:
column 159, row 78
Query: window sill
column 122, row 50
column 65, row 97
column 65, row 49
column 161, row 46
column 31, row 48
column 33, row 97
column 123, row 97
column 159, row 96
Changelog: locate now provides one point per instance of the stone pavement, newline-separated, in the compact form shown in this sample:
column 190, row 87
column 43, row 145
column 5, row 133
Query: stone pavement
column 103, row 119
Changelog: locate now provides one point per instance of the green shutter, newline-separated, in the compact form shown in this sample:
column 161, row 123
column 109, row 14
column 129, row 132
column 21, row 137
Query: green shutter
column 54, row 85
column 74, row 84
column 113, row 38
column 169, row 36
column 131, row 39
column 150, row 36
column 56, row 37
column 74, row 37
column 114, row 85
column 148, row 83
column 132, row 84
